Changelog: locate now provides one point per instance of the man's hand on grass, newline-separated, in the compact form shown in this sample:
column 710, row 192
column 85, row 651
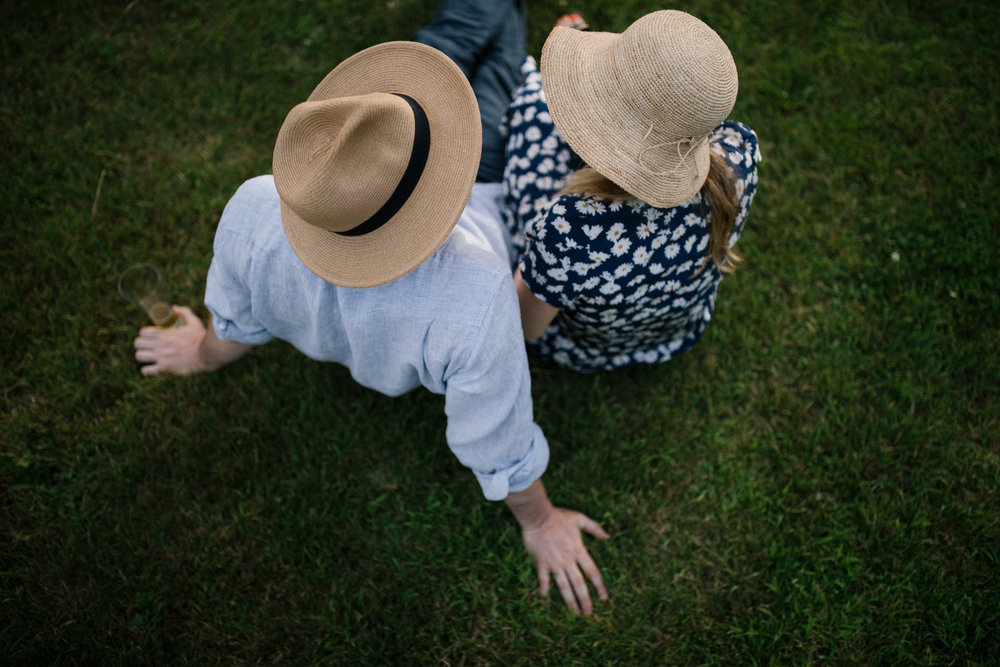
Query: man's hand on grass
column 191, row 348
column 553, row 537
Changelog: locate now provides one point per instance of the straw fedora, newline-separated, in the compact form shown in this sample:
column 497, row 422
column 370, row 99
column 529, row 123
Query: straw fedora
column 639, row 106
column 376, row 166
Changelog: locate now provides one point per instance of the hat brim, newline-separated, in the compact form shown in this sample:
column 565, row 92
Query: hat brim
column 591, row 112
column 426, row 219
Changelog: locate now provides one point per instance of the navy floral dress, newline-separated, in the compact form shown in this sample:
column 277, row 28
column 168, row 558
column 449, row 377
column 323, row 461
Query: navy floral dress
column 630, row 280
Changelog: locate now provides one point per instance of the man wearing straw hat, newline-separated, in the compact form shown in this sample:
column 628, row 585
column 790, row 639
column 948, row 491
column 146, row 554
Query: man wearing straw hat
column 371, row 247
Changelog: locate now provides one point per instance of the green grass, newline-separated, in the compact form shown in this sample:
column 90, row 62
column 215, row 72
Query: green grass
column 816, row 482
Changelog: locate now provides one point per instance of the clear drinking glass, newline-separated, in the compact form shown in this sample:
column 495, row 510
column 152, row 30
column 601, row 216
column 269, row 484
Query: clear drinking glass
column 143, row 284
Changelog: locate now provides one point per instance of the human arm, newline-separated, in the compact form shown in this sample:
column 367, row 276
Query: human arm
column 492, row 432
column 191, row 348
column 552, row 535
column 536, row 315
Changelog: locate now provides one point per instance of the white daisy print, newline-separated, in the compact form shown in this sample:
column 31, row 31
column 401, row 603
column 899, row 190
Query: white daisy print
column 592, row 231
column 616, row 231
column 609, row 288
column 641, row 256
column 599, row 257
column 671, row 250
column 589, row 206
column 621, row 247
column 558, row 274
column 561, row 225
column 562, row 358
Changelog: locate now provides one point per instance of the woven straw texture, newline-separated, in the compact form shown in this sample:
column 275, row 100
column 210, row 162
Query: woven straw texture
column 341, row 154
column 638, row 106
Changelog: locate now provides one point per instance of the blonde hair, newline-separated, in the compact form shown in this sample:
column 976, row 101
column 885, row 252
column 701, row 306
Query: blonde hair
column 719, row 191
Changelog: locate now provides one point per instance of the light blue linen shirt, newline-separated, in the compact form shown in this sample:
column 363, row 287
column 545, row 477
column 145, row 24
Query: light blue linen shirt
column 451, row 325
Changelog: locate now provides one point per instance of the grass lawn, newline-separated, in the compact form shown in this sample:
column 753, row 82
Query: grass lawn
column 818, row 481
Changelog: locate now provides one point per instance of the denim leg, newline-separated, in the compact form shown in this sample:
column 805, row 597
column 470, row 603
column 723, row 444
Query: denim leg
column 486, row 39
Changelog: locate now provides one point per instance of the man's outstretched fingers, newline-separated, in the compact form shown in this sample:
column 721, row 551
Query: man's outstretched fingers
column 590, row 569
column 591, row 527
column 543, row 580
column 566, row 590
column 582, row 593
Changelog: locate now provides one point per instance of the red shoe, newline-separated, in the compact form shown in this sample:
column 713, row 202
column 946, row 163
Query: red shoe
column 574, row 21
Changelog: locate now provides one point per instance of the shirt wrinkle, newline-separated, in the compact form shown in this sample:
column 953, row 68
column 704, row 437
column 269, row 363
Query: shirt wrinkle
column 479, row 329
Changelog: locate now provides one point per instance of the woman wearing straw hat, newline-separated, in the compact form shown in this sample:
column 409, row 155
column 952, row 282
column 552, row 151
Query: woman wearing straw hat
column 620, row 260
column 371, row 247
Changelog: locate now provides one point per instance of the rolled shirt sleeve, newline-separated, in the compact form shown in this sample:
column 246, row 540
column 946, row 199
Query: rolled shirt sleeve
column 227, row 296
column 491, row 428
column 232, row 315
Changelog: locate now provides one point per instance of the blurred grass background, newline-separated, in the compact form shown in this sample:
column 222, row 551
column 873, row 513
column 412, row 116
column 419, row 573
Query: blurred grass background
column 816, row 482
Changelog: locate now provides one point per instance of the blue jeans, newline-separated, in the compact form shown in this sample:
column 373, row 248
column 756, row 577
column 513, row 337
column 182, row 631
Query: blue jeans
column 486, row 38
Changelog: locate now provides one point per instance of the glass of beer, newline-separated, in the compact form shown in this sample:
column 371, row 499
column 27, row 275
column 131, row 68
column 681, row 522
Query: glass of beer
column 143, row 284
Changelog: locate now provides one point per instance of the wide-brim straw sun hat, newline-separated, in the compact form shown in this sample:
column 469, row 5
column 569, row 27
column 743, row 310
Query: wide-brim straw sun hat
column 639, row 106
column 376, row 166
